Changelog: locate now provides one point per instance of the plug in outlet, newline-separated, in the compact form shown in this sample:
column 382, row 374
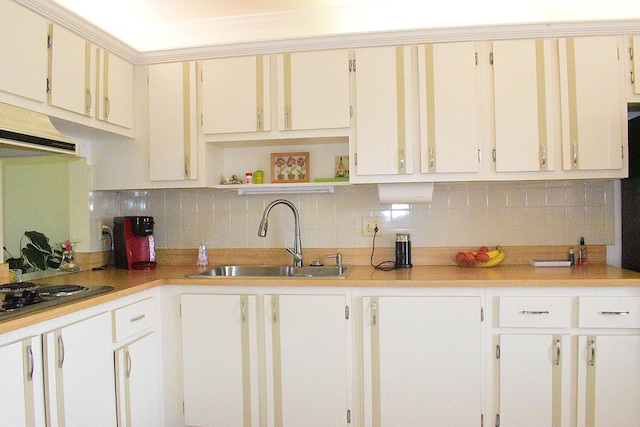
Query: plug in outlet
column 102, row 229
column 369, row 223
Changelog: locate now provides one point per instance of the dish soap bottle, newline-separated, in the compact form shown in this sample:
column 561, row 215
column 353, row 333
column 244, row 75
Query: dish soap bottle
column 203, row 258
column 582, row 252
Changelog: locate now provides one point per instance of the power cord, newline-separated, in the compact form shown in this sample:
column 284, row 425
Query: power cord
column 106, row 231
column 384, row 265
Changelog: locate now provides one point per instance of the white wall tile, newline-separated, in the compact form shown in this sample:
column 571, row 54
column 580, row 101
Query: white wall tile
column 461, row 214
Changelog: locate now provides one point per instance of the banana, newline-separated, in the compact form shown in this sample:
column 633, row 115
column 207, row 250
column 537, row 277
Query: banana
column 494, row 253
column 493, row 261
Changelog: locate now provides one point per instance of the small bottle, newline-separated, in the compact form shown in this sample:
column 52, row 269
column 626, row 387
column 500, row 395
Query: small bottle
column 203, row 258
column 572, row 257
column 582, row 252
column 340, row 173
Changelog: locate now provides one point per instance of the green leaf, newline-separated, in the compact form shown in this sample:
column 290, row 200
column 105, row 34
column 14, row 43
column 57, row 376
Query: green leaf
column 34, row 257
column 39, row 240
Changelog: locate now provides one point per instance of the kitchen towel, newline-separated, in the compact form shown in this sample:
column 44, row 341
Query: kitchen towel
column 406, row 192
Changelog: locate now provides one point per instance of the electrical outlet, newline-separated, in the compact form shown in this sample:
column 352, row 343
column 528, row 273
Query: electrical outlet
column 101, row 227
column 369, row 223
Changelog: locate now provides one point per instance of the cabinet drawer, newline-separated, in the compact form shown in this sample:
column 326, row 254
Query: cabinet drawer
column 609, row 312
column 535, row 312
column 133, row 318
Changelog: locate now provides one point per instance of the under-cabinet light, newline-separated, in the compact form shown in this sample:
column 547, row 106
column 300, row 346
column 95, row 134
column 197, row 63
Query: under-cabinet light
column 258, row 189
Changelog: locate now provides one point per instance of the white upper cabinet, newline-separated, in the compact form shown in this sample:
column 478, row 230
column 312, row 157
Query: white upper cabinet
column 383, row 111
column 524, row 107
column 115, row 84
column 71, row 71
column 313, row 90
column 23, row 51
column 236, row 95
column 593, row 104
column 450, row 107
column 172, row 122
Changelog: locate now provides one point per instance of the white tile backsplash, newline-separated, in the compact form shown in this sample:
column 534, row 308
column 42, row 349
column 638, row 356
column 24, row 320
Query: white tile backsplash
column 461, row 214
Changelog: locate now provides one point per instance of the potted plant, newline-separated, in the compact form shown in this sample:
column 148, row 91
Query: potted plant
column 37, row 254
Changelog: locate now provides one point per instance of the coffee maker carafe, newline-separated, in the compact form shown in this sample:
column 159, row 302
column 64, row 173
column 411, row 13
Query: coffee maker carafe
column 133, row 242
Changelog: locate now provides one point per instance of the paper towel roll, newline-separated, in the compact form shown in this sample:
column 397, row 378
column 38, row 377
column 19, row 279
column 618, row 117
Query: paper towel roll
column 406, row 192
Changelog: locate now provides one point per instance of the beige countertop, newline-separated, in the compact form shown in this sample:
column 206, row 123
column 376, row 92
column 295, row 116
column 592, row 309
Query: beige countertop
column 127, row 282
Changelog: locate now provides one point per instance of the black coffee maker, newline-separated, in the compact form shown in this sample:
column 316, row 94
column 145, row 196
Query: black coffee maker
column 403, row 251
column 133, row 242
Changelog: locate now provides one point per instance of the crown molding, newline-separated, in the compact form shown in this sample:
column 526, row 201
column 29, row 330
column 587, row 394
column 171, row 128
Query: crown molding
column 317, row 29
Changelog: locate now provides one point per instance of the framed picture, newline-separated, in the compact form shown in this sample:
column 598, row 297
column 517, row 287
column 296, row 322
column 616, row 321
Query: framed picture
column 289, row 167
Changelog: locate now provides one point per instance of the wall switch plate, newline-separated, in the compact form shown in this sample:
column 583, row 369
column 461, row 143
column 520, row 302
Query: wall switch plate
column 369, row 223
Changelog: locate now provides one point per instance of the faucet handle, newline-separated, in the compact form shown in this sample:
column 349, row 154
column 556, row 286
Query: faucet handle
column 338, row 258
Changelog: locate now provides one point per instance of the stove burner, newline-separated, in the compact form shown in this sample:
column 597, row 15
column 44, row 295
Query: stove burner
column 16, row 287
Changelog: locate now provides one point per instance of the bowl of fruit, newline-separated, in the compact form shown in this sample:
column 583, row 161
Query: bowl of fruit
column 482, row 258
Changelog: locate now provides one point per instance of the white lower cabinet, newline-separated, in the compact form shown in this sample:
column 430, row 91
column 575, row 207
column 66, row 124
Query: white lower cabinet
column 137, row 365
column 21, row 373
column 534, row 379
column 422, row 358
column 137, row 374
column 220, row 356
column 79, row 374
column 308, row 369
column 306, row 380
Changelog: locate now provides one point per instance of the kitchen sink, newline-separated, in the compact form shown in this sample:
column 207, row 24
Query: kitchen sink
column 272, row 271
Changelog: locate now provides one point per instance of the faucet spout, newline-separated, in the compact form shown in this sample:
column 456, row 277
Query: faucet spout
column 297, row 244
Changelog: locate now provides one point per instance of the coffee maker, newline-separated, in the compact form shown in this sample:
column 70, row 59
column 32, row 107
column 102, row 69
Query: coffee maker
column 133, row 242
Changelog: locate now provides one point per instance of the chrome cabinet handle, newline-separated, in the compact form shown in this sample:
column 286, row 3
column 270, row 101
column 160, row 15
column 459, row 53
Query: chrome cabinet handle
column 30, row 364
column 432, row 160
column 137, row 318
column 259, row 113
column 401, row 158
column 592, row 352
column 89, row 101
column 129, row 364
column 243, row 311
column 107, row 108
column 575, row 155
column 274, row 310
column 60, row 351
column 374, row 313
column 615, row 313
column 543, row 155
column 558, row 346
column 535, row 312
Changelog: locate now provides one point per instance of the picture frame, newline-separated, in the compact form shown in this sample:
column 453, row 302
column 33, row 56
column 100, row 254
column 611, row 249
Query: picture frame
column 292, row 167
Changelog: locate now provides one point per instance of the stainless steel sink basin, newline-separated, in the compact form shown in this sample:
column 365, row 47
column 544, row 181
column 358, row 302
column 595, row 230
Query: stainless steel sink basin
column 272, row 271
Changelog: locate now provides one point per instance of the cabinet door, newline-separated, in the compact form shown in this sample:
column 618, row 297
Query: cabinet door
column 450, row 108
column 23, row 51
column 21, row 373
column 635, row 46
column 236, row 95
column 383, row 111
column 307, row 360
column 220, row 360
column 422, row 361
column 80, row 377
column 314, row 90
column 116, row 86
column 172, row 122
column 138, row 386
column 70, row 72
column 593, row 105
column 524, row 137
column 608, row 380
column 534, row 380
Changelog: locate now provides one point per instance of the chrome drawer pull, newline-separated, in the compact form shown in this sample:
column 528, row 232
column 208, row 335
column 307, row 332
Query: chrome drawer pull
column 615, row 313
column 536, row 312
column 137, row 318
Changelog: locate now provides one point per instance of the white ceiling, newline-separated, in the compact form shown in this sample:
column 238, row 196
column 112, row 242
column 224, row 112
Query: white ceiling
column 156, row 25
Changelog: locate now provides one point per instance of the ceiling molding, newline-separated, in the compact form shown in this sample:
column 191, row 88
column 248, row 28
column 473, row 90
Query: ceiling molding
column 317, row 29
column 391, row 38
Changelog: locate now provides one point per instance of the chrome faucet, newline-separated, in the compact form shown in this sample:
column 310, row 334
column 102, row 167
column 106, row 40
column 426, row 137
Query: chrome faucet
column 297, row 245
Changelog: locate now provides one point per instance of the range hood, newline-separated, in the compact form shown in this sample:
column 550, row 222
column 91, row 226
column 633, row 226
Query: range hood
column 25, row 132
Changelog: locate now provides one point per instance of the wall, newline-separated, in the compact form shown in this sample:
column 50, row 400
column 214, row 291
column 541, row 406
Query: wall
column 462, row 214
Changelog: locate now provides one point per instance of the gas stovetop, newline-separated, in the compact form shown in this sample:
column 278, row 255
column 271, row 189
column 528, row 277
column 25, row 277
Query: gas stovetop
column 17, row 299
